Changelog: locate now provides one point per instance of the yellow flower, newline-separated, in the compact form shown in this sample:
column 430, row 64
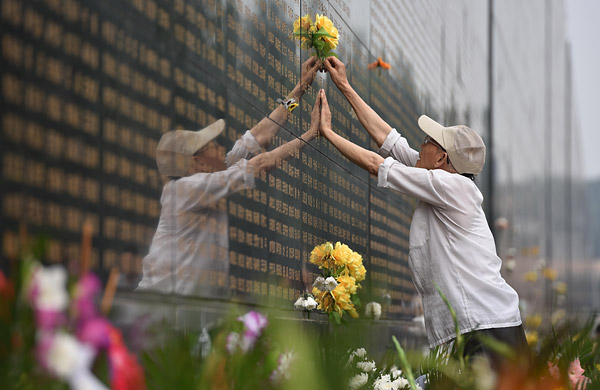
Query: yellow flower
column 348, row 283
column 532, row 337
column 560, row 288
column 324, row 299
column 341, row 253
column 355, row 267
column 342, row 299
column 549, row 273
column 319, row 252
column 531, row 276
column 323, row 21
column 533, row 321
column 303, row 22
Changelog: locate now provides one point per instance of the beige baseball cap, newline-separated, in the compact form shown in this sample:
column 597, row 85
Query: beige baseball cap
column 177, row 146
column 463, row 145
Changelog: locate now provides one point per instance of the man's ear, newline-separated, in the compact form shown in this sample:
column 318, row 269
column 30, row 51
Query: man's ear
column 441, row 159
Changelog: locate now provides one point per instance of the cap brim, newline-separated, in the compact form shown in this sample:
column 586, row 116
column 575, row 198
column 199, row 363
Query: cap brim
column 207, row 134
column 432, row 129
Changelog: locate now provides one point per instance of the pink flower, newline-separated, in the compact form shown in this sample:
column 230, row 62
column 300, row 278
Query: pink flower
column 85, row 294
column 49, row 319
column 95, row 332
column 576, row 377
column 553, row 370
column 254, row 323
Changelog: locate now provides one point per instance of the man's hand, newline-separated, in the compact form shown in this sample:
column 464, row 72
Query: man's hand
column 337, row 72
column 315, row 118
column 308, row 70
column 325, row 117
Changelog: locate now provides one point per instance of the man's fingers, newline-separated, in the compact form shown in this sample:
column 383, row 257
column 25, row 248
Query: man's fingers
column 327, row 64
column 324, row 103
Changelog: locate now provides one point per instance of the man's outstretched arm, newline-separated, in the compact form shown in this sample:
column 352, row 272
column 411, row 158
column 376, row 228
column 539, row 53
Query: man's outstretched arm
column 365, row 159
column 377, row 128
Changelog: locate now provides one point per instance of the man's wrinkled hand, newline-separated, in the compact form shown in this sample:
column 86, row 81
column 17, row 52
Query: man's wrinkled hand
column 315, row 118
column 337, row 72
column 325, row 117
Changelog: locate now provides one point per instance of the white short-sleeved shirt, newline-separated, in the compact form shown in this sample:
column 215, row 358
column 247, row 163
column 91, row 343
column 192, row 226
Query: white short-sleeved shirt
column 189, row 253
column 451, row 245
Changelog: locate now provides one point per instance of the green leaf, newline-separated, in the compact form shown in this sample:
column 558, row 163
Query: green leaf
column 355, row 299
column 404, row 364
column 319, row 44
column 337, row 318
column 322, row 33
column 330, row 54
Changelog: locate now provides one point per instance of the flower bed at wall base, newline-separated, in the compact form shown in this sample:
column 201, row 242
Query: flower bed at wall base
column 53, row 336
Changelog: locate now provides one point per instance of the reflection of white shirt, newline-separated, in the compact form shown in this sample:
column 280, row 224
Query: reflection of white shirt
column 189, row 251
column 451, row 245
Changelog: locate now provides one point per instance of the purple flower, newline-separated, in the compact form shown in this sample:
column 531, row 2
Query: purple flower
column 49, row 319
column 87, row 289
column 254, row 323
column 94, row 332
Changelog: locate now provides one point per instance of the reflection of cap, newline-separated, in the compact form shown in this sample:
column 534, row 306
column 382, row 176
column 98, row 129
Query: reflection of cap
column 177, row 146
column 464, row 146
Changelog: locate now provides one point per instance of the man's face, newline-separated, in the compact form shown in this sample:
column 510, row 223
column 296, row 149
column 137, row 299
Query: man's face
column 211, row 158
column 431, row 155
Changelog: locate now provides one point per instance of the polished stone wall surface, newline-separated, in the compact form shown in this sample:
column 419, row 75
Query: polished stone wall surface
column 88, row 89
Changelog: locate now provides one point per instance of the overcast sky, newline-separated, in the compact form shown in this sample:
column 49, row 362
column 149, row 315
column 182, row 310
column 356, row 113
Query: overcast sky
column 583, row 31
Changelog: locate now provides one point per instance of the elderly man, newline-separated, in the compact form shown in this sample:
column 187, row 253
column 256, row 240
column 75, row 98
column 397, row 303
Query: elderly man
column 451, row 245
column 189, row 253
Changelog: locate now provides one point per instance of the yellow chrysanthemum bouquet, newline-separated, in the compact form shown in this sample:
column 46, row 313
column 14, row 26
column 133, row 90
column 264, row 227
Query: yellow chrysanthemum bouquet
column 342, row 271
column 322, row 36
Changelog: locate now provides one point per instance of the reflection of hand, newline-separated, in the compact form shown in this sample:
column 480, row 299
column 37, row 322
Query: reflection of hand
column 315, row 118
column 325, row 117
column 308, row 70
column 337, row 72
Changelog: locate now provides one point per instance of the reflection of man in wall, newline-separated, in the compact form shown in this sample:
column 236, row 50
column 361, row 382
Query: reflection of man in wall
column 189, row 251
column 451, row 245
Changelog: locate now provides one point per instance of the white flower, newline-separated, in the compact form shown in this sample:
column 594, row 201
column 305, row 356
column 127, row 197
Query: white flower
column 330, row 283
column 358, row 381
column 49, row 288
column 366, row 366
column 233, row 341
column 373, row 310
column 383, row 383
column 485, row 377
column 510, row 265
column 395, row 372
column 299, row 305
column 360, row 352
column 63, row 355
column 310, row 303
column 283, row 368
column 399, row 383
column 319, row 283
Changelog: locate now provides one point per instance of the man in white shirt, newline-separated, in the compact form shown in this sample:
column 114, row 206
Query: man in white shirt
column 189, row 253
column 450, row 244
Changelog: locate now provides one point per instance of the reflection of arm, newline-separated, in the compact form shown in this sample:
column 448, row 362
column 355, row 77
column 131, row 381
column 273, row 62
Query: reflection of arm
column 365, row 159
column 377, row 128
column 266, row 161
column 266, row 129
column 205, row 189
